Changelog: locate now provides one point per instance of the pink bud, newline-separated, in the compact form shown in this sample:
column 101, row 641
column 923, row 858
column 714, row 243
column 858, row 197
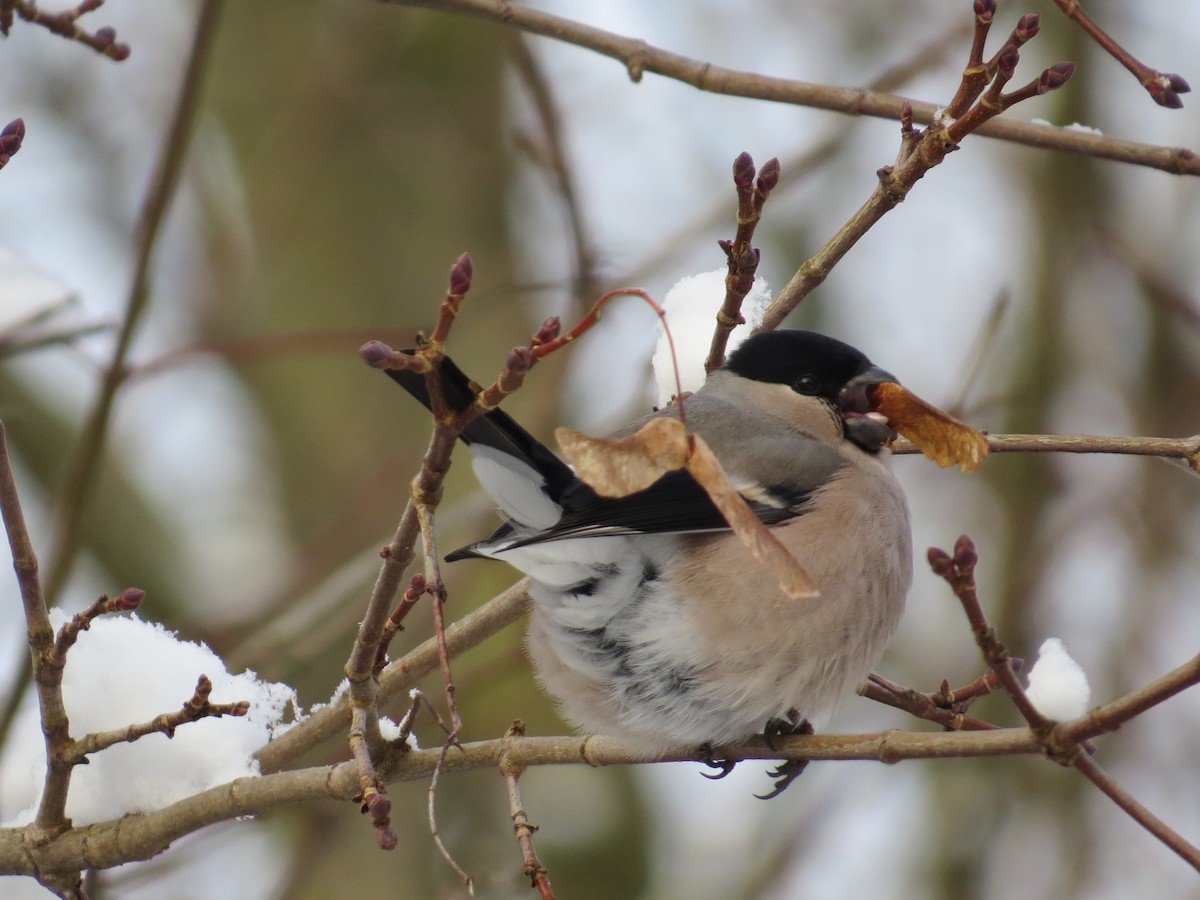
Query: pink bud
column 1027, row 26
column 768, row 177
column 519, row 360
column 460, row 275
column 940, row 562
column 743, row 170
column 965, row 554
column 375, row 353
column 548, row 330
column 387, row 839
column 130, row 598
column 1057, row 75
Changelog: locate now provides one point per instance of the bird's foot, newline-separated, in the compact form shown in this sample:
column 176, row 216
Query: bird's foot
column 789, row 770
column 786, row 773
column 710, row 759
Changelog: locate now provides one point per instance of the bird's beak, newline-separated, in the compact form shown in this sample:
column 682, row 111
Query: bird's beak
column 864, row 424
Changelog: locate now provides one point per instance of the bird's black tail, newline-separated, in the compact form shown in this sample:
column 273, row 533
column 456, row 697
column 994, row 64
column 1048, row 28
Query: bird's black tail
column 495, row 429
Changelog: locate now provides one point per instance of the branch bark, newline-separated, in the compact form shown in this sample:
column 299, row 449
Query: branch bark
column 638, row 57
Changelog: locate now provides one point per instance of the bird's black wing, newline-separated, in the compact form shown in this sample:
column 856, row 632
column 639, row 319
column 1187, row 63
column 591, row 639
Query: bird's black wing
column 674, row 503
column 495, row 429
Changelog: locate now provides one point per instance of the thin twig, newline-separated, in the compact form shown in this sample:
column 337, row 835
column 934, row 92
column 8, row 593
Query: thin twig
column 436, row 589
column 102, row 40
column 197, row 708
column 1165, row 88
column 46, row 673
column 467, row 880
column 81, row 477
column 394, row 624
column 1136, row 811
column 1112, row 716
column 947, row 712
column 1185, row 449
column 372, row 796
column 552, row 155
column 1060, row 742
column 800, row 165
column 639, row 57
column 35, row 339
column 401, row 676
column 980, row 98
column 538, row 874
column 959, row 572
column 741, row 257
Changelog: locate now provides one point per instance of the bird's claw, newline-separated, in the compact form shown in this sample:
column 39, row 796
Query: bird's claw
column 710, row 759
column 787, row 772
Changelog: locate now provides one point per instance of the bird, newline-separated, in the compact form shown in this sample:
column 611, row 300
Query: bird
column 650, row 621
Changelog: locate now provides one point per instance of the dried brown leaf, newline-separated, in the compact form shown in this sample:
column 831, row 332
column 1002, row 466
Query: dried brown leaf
column 939, row 436
column 620, row 467
column 624, row 466
column 757, row 538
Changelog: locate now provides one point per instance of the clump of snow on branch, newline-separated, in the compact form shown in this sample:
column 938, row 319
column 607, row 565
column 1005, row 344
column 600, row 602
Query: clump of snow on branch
column 1058, row 686
column 125, row 671
column 691, row 307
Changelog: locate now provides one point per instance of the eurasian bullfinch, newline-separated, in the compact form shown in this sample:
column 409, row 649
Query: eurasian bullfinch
column 651, row 622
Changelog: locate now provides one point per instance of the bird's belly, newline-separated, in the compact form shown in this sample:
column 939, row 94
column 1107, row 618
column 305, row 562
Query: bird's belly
column 680, row 666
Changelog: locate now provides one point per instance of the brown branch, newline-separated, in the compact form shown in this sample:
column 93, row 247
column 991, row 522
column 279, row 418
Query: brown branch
column 102, row 40
column 126, row 601
column 979, row 99
column 946, row 709
column 197, row 708
column 801, row 164
column 1165, row 88
column 1136, row 811
column 362, row 666
column 439, row 766
column 81, row 477
column 638, row 57
column 394, row 624
column 1061, row 742
column 1112, row 716
column 538, row 874
column 31, row 339
column 959, row 572
column 742, row 258
column 1186, row 450
column 46, row 670
column 372, row 795
column 141, row 836
column 401, row 676
column 551, row 155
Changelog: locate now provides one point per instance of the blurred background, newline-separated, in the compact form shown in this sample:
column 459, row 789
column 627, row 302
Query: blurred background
column 345, row 153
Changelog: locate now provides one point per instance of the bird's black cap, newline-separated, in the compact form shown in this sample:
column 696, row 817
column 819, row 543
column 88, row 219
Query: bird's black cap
column 787, row 357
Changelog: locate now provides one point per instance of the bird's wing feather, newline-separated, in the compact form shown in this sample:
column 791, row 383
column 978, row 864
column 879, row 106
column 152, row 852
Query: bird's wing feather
column 495, row 429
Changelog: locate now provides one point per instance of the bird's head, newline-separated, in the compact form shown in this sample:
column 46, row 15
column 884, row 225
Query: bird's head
column 817, row 366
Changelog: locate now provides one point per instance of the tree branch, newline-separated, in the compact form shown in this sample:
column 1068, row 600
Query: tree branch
column 638, row 57
column 1063, row 743
column 81, row 477
column 1185, row 450
column 1165, row 88
column 142, row 836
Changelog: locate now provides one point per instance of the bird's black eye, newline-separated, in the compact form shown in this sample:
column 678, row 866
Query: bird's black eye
column 807, row 384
